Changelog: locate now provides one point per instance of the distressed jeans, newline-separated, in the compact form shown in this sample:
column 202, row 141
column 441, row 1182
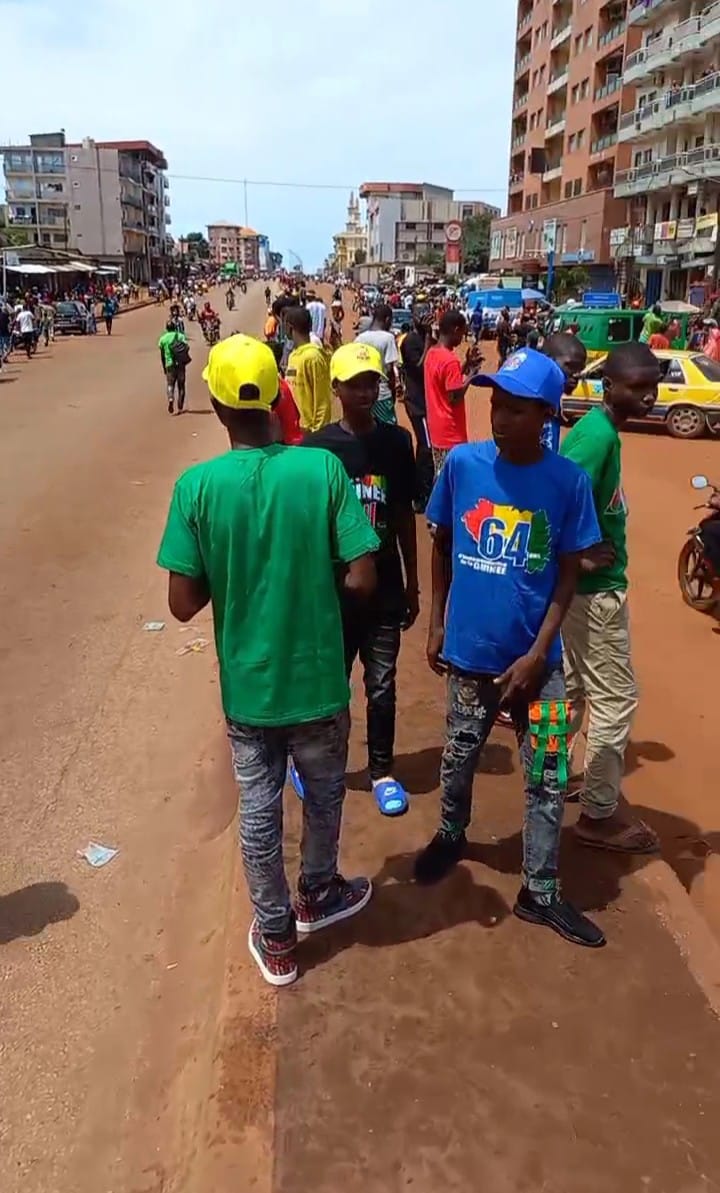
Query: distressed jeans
column 260, row 757
column 377, row 642
column 473, row 705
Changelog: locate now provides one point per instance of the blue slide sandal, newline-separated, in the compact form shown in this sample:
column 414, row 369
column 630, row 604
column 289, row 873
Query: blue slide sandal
column 391, row 797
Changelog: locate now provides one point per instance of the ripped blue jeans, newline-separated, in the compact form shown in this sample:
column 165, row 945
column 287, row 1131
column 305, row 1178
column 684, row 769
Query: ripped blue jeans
column 473, row 705
column 260, row 758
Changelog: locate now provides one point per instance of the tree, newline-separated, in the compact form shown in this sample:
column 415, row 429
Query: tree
column 197, row 246
column 432, row 258
column 476, row 242
column 360, row 256
column 11, row 238
column 276, row 260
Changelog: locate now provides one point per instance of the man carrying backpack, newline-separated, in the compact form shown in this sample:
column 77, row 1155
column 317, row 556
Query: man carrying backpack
column 175, row 357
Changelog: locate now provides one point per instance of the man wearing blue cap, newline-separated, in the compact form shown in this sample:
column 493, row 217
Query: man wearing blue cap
column 513, row 520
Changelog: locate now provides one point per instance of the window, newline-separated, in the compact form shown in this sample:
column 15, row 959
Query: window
column 578, row 43
column 580, row 138
column 588, row 38
column 438, row 227
column 576, row 93
column 568, row 190
column 674, row 374
column 710, row 369
column 577, row 186
column 618, row 331
column 411, row 227
column 584, row 89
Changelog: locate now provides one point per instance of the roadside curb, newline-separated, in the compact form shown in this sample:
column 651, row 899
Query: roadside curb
column 694, row 938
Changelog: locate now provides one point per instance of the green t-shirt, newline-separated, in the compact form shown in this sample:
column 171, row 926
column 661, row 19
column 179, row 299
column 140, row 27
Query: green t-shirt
column 165, row 343
column 265, row 527
column 594, row 444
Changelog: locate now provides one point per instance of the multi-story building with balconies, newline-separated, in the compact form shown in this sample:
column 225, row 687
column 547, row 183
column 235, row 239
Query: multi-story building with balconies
column 104, row 199
column 567, row 97
column 669, row 239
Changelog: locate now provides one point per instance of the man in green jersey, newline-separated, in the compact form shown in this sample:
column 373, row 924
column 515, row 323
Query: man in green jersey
column 262, row 532
column 596, row 637
column 175, row 357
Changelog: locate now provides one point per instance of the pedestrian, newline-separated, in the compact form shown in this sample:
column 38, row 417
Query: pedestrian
column 446, row 383
column 652, row 322
column 571, row 355
column 260, row 520
column 659, row 338
column 512, row 520
column 6, row 323
column 25, row 328
column 175, row 358
column 596, row 636
column 308, row 371
column 318, row 315
column 109, row 310
column 503, row 332
column 413, row 350
column 476, row 323
column 285, row 412
column 380, row 336
column 378, row 458
column 712, row 339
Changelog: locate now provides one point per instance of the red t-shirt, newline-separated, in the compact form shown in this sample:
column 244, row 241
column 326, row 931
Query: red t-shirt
column 447, row 425
column 287, row 415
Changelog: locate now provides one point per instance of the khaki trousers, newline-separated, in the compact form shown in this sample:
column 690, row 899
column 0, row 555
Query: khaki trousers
column 599, row 674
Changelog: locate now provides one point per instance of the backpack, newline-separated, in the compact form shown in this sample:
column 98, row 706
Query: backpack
column 180, row 353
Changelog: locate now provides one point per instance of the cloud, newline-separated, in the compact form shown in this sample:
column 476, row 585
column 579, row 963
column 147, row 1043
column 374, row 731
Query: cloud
column 323, row 92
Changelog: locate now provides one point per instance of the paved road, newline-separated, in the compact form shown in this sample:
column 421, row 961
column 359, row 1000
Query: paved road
column 450, row 1046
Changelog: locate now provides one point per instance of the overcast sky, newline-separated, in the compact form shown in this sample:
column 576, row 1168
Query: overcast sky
column 302, row 91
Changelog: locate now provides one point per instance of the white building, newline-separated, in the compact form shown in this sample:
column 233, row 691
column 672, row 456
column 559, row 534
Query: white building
column 407, row 221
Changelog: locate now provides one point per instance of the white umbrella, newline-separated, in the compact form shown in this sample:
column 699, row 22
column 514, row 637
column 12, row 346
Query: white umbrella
column 679, row 308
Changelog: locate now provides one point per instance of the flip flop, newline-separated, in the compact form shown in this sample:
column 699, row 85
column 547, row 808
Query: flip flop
column 390, row 797
column 294, row 777
column 634, row 838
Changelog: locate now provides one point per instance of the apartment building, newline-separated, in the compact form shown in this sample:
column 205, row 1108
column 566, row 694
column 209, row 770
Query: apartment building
column 568, row 94
column 104, row 199
column 668, row 242
column 234, row 242
column 407, row 222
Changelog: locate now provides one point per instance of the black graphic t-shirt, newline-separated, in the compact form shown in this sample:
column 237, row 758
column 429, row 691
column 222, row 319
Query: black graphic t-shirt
column 381, row 465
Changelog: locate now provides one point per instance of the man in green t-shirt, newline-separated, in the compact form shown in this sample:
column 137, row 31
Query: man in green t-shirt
column 175, row 357
column 262, row 532
column 596, row 638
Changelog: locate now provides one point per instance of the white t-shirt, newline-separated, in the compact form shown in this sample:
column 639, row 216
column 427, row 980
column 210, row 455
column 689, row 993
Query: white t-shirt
column 386, row 345
column 317, row 313
column 25, row 322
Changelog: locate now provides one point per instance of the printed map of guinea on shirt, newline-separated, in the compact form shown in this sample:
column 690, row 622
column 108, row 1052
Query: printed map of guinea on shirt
column 508, row 537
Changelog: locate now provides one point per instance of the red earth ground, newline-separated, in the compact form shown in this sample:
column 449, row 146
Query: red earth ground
column 435, row 1042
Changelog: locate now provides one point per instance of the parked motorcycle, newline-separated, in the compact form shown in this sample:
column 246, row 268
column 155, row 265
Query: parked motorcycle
column 699, row 582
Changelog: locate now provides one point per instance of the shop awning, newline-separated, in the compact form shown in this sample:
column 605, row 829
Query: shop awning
column 29, row 267
column 81, row 267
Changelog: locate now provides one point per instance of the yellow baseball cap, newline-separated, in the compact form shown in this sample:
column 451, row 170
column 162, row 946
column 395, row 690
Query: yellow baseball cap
column 237, row 361
column 351, row 360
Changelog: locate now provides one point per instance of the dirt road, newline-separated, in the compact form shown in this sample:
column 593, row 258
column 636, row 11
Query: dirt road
column 435, row 1043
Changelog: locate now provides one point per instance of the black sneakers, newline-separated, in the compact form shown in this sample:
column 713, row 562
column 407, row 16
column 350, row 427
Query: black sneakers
column 559, row 915
column 438, row 858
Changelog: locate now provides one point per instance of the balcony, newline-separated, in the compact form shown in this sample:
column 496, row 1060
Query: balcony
column 518, row 142
column 608, row 89
column 612, row 34
column 525, row 22
column 603, row 145
column 677, row 106
column 675, row 170
column 557, row 81
column 560, row 35
column 645, row 11
column 522, row 65
column 520, row 102
column 552, row 172
column 689, row 37
column 556, row 128
column 516, row 182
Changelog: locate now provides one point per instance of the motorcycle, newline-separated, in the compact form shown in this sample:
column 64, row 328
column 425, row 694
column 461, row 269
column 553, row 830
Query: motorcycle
column 698, row 580
column 211, row 331
column 243, row 287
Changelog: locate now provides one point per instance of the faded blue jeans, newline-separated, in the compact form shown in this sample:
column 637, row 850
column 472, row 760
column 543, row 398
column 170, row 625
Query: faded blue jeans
column 260, row 757
column 473, row 705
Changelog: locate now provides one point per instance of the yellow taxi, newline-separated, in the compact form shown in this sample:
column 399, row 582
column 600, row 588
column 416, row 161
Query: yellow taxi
column 688, row 396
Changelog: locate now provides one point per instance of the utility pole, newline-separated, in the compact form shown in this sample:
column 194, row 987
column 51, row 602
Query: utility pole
column 247, row 225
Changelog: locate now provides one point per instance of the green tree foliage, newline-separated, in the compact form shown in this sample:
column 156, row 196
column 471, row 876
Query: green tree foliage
column 476, row 243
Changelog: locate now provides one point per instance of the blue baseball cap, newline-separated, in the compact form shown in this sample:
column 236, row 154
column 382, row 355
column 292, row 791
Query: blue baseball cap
column 527, row 374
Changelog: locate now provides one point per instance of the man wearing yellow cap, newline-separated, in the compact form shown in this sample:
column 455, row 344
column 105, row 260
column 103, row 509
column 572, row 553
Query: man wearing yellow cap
column 379, row 460
column 259, row 532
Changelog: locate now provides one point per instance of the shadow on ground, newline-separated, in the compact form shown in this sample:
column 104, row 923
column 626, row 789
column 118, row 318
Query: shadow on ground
column 28, row 911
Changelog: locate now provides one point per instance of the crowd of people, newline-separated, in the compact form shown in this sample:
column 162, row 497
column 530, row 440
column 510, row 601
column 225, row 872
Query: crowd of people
column 528, row 612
